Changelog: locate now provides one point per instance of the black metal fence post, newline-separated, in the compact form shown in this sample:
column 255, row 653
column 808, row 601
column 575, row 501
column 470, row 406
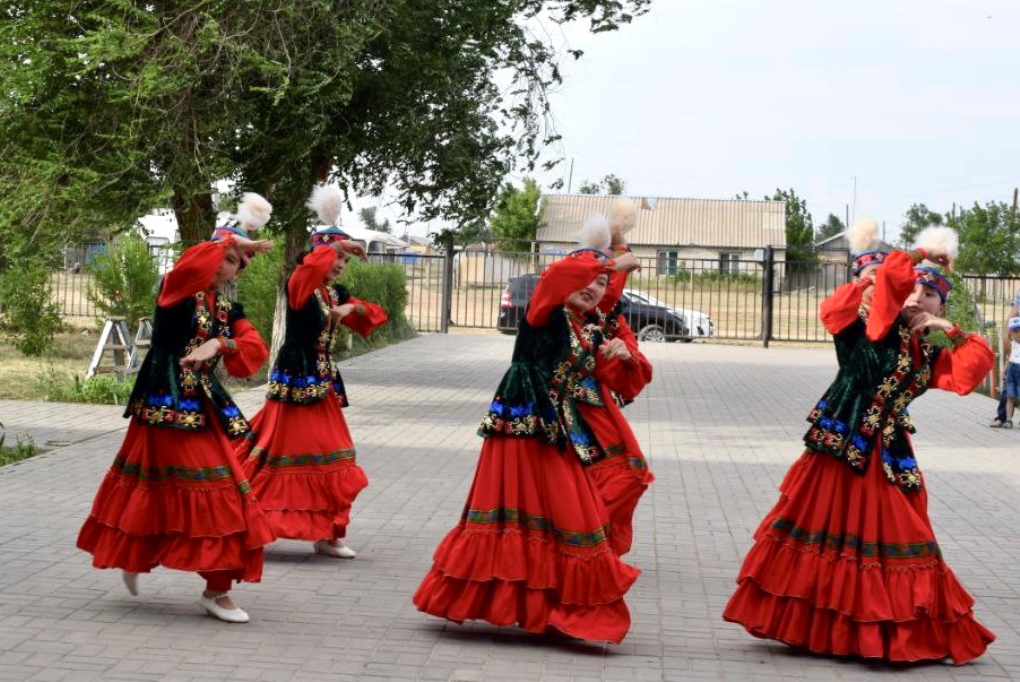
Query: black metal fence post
column 767, row 293
column 444, row 323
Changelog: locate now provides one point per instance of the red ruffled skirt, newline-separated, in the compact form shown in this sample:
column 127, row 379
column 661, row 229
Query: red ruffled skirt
column 848, row 564
column 621, row 480
column 301, row 462
column 177, row 499
column 532, row 549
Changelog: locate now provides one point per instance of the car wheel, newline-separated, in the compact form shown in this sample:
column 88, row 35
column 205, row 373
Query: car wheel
column 652, row 333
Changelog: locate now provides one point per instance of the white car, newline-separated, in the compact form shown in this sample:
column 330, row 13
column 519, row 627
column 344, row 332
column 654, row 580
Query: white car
column 699, row 325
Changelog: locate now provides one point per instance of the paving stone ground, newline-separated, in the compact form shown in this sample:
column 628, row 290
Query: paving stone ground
column 720, row 424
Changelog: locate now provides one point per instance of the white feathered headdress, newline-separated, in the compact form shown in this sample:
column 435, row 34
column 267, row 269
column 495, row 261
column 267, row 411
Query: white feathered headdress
column 327, row 201
column 863, row 236
column 939, row 238
column 595, row 232
column 253, row 212
column 865, row 244
column 623, row 215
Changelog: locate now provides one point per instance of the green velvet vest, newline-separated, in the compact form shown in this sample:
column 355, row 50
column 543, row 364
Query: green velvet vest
column 304, row 369
column 552, row 370
column 864, row 410
column 164, row 394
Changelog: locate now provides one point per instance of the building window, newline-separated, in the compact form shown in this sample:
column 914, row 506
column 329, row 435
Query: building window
column 729, row 262
column 665, row 262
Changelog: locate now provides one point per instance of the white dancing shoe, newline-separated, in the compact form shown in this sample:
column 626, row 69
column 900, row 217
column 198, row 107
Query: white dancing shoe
column 234, row 615
column 334, row 548
column 130, row 582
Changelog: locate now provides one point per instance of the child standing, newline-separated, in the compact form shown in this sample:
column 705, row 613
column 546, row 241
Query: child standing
column 1010, row 373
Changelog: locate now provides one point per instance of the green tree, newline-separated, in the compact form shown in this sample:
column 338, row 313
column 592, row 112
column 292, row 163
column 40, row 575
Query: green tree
column 917, row 217
column 517, row 215
column 611, row 184
column 989, row 240
column 799, row 230
column 830, row 228
column 110, row 108
column 370, row 219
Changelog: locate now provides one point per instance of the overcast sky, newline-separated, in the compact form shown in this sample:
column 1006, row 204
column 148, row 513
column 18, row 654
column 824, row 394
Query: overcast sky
column 916, row 99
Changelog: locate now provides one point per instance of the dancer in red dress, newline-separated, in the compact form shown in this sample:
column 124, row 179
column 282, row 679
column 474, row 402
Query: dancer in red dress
column 176, row 496
column 300, row 455
column 535, row 543
column 847, row 563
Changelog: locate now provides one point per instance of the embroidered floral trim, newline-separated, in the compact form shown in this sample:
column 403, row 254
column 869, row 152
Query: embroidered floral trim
column 841, row 543
column 186, row 411
column 539, row 524
column 281, row 461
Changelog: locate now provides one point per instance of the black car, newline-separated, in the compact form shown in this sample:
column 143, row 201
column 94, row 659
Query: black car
column 649, row 322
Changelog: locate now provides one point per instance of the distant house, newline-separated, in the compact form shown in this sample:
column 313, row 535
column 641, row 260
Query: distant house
column 375, row 242
column 482, row 264
column 710, row 233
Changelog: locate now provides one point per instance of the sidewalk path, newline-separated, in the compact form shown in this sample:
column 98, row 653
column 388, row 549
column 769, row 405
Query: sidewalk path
column 720, row 425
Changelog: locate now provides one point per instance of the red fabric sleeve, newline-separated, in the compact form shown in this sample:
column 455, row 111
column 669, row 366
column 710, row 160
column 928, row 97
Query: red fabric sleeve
column 626, row 377
column 558, row 281
column 839, row 310
column 250, row 353
column 366, row 317
column 893, row 283
column 614, row 290
column 311, row 273
column 193, row 272
column 963, row 368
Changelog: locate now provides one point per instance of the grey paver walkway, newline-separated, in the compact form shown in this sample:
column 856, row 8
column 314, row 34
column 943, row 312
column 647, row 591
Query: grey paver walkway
column 720, row 425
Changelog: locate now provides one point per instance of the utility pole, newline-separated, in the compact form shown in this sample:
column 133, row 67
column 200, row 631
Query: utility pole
column 854, row 214
column 570, row 176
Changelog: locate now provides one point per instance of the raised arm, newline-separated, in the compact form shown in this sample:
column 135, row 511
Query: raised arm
column 839, row 310
column 963, row 368
column 893, row 283
column 193, row 272
column 558, row 281
column 308, row 275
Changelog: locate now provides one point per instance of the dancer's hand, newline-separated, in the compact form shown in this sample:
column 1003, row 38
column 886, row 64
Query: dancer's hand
column 921, row 321
column 353, row 248
column 615, row 348
column 627, row 262
column 337, row 313
column 201, row 355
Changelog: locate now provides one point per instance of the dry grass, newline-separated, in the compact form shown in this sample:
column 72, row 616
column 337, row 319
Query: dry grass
column 23, row 378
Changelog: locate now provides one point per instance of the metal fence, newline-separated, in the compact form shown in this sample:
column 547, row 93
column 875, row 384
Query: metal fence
column 761, row 301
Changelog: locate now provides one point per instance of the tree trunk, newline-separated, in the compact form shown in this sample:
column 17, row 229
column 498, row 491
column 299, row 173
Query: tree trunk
column 196, row 216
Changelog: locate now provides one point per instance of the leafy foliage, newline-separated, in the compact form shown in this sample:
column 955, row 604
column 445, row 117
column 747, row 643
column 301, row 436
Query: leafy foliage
column 799, row 230
column 830, row 228
column 30, row 317
column 611, row 184
column 124, row 280
column 102, row 389
column 383, row 284
column 256, row 290
column 989, row 239
column 517, row 216
column 371, row 221
column 917, row 218
column 113, row 107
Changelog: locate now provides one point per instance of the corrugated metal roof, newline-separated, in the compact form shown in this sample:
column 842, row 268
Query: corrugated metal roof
column 673, row 222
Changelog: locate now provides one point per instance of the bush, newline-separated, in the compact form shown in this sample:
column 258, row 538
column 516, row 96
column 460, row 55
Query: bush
column 30, row 316
column 124, row 280
column 103, row 389
column 386, row 285
column 23, row 448
column 960, row 309
column 256, row 290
